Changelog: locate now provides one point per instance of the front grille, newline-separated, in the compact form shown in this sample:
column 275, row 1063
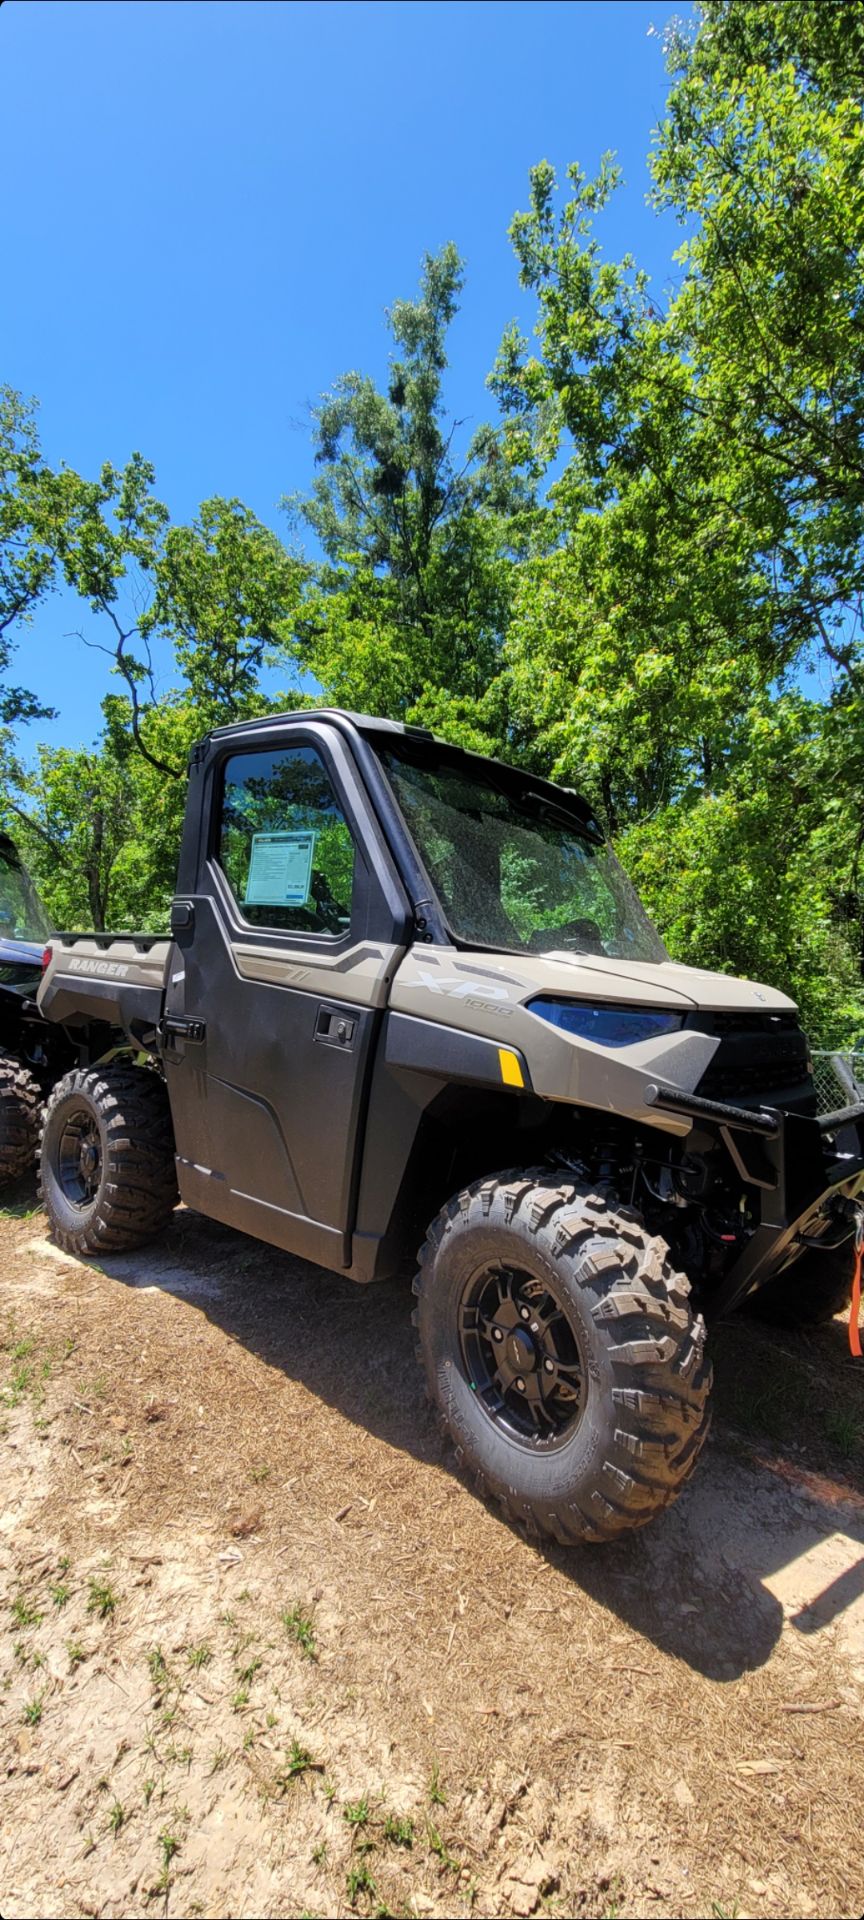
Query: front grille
column 736, row 1024
column 761, row 1060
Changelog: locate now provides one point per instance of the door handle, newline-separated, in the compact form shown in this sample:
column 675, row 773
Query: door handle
column 335, row 1029
column 176, row 1026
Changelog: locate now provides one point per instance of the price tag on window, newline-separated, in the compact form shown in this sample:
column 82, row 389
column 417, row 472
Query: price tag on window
column 280, row 869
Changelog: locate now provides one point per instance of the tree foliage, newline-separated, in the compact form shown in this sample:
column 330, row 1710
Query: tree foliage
column 417, row 531
column 710, row 461
column 39, row 510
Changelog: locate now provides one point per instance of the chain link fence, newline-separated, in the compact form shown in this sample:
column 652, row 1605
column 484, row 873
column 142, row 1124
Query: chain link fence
column 838, row 1079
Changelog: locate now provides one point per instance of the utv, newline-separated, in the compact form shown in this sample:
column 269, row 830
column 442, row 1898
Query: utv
column 32, row 1054
column 409, row 992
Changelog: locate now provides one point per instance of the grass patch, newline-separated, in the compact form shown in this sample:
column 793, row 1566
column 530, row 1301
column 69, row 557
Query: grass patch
column 298, row 1760
column 844, row 1431
column 299, row 1627
column 60, row 1594
column 170, row 1845
column 356, row 1812
column 199, row 1657
column 359, row 1880
column 95, row 1389
column 102, row 1599
column 437, row 1796
column 399, row 1832
column 33, row 1711
column 20, row 1209
column 439, row 1847
column 18, row 1386
column 24, row 1613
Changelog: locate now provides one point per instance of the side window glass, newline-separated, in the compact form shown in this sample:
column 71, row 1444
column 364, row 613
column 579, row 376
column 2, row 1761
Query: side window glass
column 284, row 844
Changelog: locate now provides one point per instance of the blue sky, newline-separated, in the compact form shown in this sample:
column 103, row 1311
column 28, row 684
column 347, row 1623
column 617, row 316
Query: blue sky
column 209, row 206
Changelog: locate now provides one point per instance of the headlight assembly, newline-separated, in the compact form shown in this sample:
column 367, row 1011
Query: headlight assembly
column 608, row 1026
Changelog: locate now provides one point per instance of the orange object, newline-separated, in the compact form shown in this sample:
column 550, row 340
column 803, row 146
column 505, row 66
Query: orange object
column 855, row 1303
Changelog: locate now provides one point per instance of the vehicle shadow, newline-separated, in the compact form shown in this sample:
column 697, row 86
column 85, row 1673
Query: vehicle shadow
column 767, row 1531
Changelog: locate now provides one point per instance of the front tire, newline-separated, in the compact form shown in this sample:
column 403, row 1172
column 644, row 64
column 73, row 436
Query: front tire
column 107, row 1177
column 20, row 1115
column 562, row 1353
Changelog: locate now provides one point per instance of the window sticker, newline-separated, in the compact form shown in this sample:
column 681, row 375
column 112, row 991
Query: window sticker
column 280, row 869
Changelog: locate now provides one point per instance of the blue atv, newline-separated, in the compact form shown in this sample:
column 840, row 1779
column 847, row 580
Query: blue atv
column 30, row 1059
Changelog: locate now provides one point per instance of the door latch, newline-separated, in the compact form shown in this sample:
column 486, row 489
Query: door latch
column 176, row 1026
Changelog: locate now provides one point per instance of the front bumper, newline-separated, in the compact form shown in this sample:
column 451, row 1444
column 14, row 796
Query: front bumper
column 797, row 1164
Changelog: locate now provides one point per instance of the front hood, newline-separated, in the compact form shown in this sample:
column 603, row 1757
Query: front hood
column 455, row 975
column 654, row 983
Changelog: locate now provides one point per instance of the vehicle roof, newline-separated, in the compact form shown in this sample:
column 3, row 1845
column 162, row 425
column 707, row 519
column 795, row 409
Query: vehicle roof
column 370, row 724
column 364, row 722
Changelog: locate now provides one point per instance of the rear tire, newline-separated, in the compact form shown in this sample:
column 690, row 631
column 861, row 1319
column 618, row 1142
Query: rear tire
column 107, row 1177
column 609, row 1331
column 20, row 1116
column 811, row 1292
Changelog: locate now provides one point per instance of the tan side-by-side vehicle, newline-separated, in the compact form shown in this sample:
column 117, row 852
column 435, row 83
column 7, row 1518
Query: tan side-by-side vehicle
column 410, row 996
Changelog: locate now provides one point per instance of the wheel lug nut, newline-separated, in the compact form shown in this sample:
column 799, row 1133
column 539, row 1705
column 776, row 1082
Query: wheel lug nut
column 549, row 1366
column 497, row 1334
column 521, row 1385
column 525, row 1312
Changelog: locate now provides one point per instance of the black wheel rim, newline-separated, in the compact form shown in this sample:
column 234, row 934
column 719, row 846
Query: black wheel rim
column 79, row 1159
column 522, row 1355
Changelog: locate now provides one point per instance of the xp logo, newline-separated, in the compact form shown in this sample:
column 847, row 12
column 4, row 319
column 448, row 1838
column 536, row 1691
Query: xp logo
column 460, row 989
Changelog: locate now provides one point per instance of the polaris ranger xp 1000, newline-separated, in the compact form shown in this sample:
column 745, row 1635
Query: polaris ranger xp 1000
column 410, row 996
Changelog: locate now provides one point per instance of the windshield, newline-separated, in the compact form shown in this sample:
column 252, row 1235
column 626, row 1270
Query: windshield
column 21, row 914
column 516, row 868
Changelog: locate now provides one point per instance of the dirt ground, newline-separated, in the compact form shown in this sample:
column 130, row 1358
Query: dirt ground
column 263, row 1653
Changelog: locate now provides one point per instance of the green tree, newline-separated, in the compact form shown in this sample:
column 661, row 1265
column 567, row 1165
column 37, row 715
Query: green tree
column 101, row 827
column 70, row 815
column 708, row 498
column 222, row 592
column 38, row 508
column 413, row 597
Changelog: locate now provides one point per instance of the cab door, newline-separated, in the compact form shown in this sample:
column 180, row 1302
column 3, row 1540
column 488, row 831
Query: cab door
column 280, row 974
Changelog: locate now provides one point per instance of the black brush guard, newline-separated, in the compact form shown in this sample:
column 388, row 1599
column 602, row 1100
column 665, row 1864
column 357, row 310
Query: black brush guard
column 797, row 1163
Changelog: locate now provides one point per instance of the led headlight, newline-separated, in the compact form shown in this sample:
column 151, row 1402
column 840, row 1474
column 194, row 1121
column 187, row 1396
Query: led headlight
column 608, row 1026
